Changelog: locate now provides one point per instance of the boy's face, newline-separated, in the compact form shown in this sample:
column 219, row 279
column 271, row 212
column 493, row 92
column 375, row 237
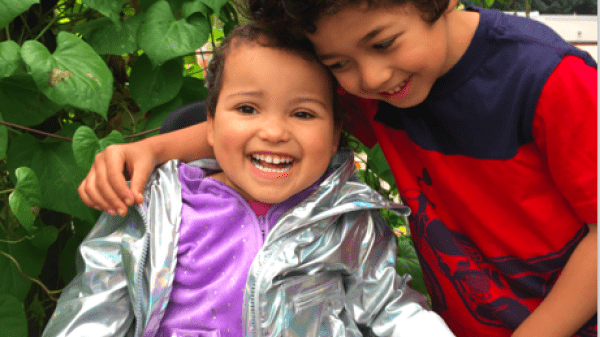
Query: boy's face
column 273, row 132
column 385, row 53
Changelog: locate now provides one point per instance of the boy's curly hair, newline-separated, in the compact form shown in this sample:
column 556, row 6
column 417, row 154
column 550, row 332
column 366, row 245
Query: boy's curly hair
column 254, row 33
column 299, row 17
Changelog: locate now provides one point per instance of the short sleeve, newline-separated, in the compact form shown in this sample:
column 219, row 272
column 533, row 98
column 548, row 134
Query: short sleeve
column 565, row 130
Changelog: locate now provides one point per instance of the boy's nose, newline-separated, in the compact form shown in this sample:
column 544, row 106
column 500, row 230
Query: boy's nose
column 374, row 76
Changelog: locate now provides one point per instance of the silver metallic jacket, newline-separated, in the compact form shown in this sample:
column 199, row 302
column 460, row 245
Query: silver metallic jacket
column 326, row 267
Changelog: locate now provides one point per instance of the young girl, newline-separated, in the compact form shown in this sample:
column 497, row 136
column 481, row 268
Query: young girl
column 488, row 122
column 284, row 241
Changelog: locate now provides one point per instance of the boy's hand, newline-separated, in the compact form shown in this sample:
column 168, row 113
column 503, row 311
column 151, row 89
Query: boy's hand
column 105, row 186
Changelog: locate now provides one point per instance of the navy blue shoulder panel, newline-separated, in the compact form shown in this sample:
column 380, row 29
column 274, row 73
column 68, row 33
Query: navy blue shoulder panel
column 484, row 106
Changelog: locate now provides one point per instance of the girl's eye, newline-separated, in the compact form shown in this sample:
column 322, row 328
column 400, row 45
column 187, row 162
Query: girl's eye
column 246, row 109
column 384, row 44
column 303, row 115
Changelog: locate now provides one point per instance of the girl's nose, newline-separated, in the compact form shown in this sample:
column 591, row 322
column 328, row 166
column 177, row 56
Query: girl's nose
column 274, row 131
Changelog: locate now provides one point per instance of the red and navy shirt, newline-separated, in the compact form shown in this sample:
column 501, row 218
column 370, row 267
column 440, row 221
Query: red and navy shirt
column 498, row 165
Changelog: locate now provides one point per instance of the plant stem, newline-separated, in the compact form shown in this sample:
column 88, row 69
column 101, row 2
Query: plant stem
column 141, row 133
column 35, row 131
column 56, row 18
column 48, row 292
column 7, row 191
column 26, row 25
column 7, row 33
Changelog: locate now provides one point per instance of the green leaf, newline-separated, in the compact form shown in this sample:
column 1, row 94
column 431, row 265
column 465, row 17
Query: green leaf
column 30, row 259
column 163, row 38
column 25, row 200
column 111, row 9
column 489, row 3
column 408, row 263
column 54, row 164
column 195, row 6
column 152, row 86
column 3, row 140
column 22, row 101
column 13, row 321
column 86, row 145
column 114, row 137
column 192, row 90
column 44, row 236
column 69, row 253
column 379, row 165
column 74, row 74
column 215, row 5
column 114, row 39
column 10, row 59
column 12, row 8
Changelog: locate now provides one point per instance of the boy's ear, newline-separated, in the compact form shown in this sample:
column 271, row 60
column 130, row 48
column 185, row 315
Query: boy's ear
column 209, row 134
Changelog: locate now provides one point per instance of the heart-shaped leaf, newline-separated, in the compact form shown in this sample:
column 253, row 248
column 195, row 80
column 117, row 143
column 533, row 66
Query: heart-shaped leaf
column 24, row 201
column 12, row 316
column 22, row 101
column 152, row 86
column 12, row 8
column 86, row 145
column 111, row 9
column 74, row 75
column 114, row 39
column 163, row 38
column 10, row 59
column 54, row 164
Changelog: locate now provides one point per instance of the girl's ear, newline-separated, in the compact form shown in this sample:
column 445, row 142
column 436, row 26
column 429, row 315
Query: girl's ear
column 209, row 134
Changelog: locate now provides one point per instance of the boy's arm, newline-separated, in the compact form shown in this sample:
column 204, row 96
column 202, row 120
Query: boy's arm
column 105, row 186
column 572, row 302
column 565, row 131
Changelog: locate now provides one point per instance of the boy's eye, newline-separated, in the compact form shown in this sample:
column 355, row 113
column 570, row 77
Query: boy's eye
column 384, row 44
column 246, row 109
column 303, row 115
column 337, row 65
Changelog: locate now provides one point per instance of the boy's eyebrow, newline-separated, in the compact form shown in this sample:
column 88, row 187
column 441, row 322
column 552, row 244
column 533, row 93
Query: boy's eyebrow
column 365, row 39
column 370, row 35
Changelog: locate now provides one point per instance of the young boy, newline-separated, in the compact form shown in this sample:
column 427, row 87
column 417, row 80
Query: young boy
column 489, row 124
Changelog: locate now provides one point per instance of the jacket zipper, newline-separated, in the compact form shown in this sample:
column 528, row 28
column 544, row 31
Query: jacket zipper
column 140, row 273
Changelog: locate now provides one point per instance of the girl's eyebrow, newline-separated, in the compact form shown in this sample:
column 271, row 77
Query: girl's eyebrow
column 246, row 93
column 308, row 99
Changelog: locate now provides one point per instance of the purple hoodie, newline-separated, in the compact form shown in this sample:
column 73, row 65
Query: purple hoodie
column 219, row 237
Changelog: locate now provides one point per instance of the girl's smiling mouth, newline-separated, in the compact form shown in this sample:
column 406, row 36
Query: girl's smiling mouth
column 272, row 162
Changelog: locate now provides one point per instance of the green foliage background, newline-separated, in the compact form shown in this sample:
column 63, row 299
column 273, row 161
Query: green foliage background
column 75, row 77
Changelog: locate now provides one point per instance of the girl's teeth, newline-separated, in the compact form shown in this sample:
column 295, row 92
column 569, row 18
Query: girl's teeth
column 268, row 169
column 394, row 90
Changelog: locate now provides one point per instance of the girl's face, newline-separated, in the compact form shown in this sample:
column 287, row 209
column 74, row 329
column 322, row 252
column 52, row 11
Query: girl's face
column 273, row 132
column 386, row 53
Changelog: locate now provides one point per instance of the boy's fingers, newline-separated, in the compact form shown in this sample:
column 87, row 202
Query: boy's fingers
column 115, row 179
column 138, row 181
column 102, row 193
